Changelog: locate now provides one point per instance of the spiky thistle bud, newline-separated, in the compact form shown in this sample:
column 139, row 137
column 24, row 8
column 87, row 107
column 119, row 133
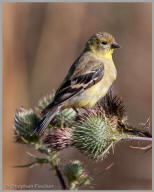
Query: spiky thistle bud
column 113, row 106
column 76, row 175
column 73, row 170
column 95, row 135
column 58, row 138
column 25, row 122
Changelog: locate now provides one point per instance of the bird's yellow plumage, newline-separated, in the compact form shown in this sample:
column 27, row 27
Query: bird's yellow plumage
column 91, row 96
column 107, row 55
column 88, row 79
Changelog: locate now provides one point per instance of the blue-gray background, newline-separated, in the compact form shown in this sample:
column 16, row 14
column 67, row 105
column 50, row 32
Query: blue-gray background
column 40, row 42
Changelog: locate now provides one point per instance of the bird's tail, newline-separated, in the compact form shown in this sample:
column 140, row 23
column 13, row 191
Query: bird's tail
column 46, row 120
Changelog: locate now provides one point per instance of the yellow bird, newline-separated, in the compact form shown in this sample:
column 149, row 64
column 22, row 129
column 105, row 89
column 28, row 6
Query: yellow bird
column 88, row 80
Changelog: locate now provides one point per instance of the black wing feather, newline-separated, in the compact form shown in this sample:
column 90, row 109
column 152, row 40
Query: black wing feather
column 73, row 86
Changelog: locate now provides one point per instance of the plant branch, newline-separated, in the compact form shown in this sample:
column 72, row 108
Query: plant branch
column 59, row 175
column 138, row 138
column 137, row 131
column 141, row 138
column 55, row 167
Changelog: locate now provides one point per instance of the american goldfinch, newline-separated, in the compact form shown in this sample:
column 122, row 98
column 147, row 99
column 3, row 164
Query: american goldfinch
column 88, row 79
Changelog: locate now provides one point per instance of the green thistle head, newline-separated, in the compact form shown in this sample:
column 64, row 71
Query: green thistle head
column 76, row 175
column 25, row 122
column 95, row 135
column 73, row 170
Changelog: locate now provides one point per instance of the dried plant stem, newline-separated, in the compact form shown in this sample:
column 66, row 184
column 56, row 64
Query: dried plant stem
column 56, row 168
column 138, row 131
column 138, row 138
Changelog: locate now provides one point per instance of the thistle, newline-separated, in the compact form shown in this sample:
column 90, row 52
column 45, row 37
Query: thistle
column 113, row 106
column 58, row 139
column 76, row 175
column 94, row 135
column 93, row 132
column 25, row 122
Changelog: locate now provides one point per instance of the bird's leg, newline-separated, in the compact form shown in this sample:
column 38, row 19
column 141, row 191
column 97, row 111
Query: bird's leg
column 62, row 120
column 88, row 110
column 78, row 113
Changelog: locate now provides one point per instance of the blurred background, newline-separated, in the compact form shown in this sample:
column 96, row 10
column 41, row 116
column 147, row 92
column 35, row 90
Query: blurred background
column 40, row 42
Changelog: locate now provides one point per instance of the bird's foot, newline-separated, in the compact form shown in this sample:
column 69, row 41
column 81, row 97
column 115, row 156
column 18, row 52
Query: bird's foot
column 88, row 110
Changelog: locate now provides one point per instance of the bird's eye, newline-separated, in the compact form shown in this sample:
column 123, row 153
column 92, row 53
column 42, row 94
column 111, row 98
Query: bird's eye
column 104, row 42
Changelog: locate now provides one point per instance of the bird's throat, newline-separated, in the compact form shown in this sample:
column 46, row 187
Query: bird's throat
column 105, row 54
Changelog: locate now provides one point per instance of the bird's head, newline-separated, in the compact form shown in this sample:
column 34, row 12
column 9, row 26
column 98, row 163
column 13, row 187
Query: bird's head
column 102, row 44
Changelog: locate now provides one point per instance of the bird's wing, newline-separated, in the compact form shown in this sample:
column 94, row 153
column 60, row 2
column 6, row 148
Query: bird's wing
column 75, row 86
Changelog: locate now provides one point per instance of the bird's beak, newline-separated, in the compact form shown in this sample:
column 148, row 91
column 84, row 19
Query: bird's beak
column 115, row 45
